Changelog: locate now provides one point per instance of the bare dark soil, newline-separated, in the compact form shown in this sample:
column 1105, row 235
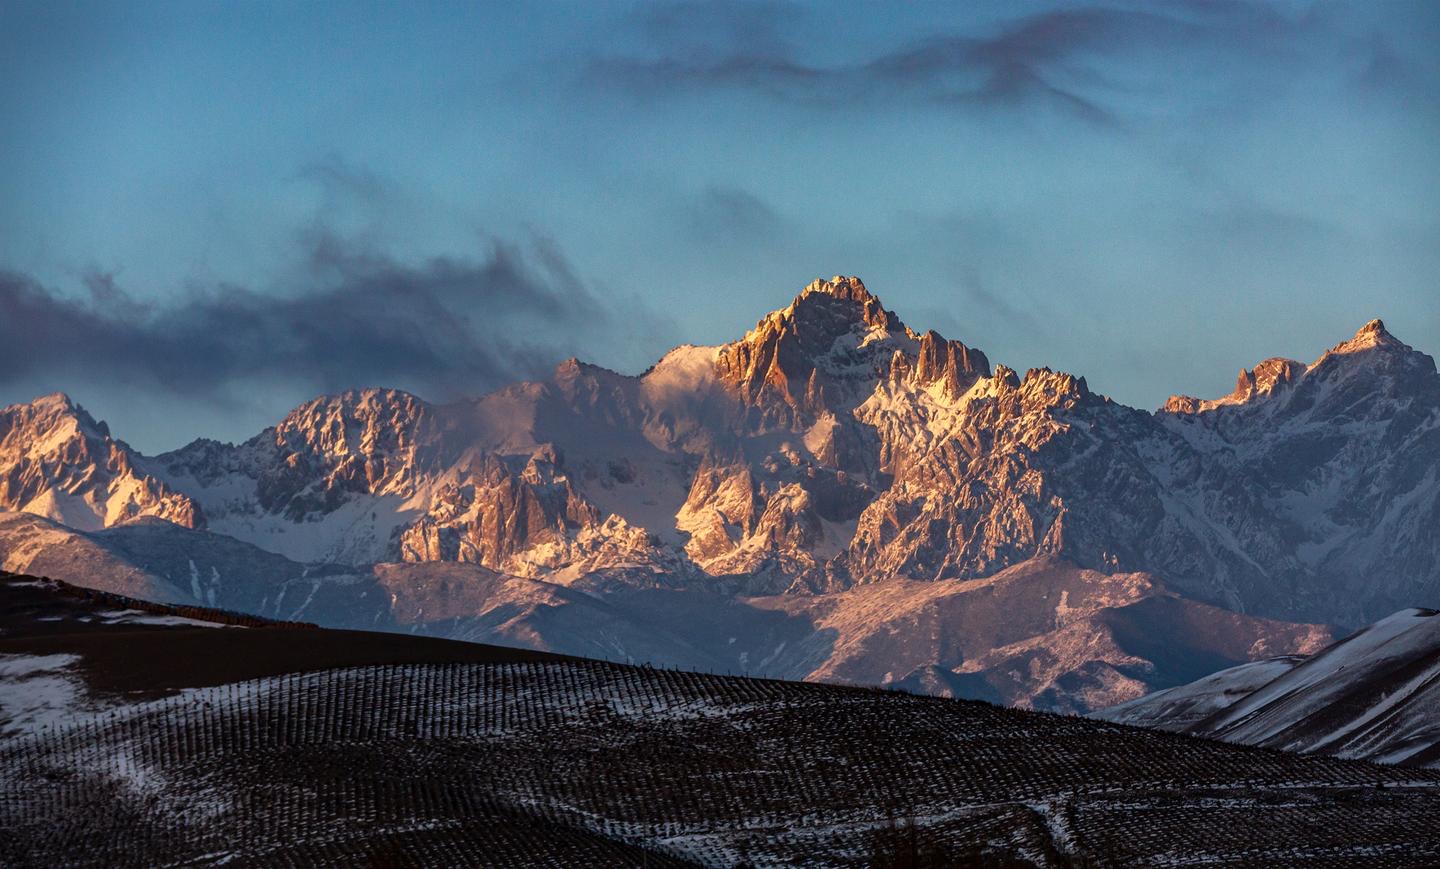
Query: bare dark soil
column 152, row 660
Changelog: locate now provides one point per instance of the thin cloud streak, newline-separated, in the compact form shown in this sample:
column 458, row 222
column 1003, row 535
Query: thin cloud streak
column 1032, row 62
column 1055, row 59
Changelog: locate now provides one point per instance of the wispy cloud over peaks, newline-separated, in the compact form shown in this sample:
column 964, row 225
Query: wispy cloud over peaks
column 1082, row 60
column 729, row 214
column 1028, row 62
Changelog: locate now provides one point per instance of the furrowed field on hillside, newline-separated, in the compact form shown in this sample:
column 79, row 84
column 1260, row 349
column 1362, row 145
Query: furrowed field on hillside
column 505, row 764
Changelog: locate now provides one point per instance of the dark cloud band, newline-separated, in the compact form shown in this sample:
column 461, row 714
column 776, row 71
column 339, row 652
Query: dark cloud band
column 446, row 326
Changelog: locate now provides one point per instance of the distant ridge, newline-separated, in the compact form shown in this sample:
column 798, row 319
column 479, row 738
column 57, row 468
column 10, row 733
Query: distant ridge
column 1373, row 695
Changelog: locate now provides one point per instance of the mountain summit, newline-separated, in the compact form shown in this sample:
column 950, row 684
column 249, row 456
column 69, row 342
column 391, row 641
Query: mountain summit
column 57, row 461
column 821, row 353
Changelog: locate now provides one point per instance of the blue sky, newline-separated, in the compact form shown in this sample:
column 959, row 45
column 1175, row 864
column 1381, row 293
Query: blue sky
column 210, row 212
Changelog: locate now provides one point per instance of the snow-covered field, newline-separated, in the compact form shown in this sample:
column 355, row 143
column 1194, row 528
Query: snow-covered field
column 37, row 691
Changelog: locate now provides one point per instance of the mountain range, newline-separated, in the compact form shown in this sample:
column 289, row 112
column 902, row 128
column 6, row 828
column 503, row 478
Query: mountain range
column 832, row 496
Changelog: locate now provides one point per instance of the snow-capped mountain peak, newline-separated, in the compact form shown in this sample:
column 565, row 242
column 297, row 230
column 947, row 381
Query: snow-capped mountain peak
column 57, row 461
column 1373, row 359
column 1369, row 336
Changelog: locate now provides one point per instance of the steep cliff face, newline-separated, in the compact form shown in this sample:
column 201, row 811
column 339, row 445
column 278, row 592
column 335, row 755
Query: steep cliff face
column 806, row 367
column 533, row 523
column 56, row 461
column 782, row 503
column 821, row 353
column 372, row 442
column 332, row 481
column 1005, row 471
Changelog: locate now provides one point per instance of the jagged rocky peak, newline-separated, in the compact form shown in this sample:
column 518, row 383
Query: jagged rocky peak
column 844, row 290
column 61, row 463
column 1372, row 351
column 1264, row 379
column 955, row 366
column 804, row 359
column 1372, row 334
column 1046, row 388
column 358, row 441
column 492, row 515
column 575, row 367
column 1374, row 375
column 359, row 403
column 823, row 312
column 586, row 385
column 545, row 466
column 52, row 430
column 355, row 421
column 1374, row 346
column 43, row 415
column 54, row 401
column 570, row 368
column 1268, row 376
column 825, row 352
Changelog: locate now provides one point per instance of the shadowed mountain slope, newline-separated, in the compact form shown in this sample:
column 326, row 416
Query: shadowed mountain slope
column 1374, row 695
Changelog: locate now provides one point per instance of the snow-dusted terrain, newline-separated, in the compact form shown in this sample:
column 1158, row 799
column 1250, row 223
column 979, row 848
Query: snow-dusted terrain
column 37, row 691
column 1373, row 695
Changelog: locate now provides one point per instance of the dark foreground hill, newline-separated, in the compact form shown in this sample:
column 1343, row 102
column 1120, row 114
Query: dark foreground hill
column 447, row 754
column 123, row 648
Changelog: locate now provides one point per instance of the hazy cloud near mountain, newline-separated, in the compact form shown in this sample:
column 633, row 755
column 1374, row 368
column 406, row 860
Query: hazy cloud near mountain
column 355, row 317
